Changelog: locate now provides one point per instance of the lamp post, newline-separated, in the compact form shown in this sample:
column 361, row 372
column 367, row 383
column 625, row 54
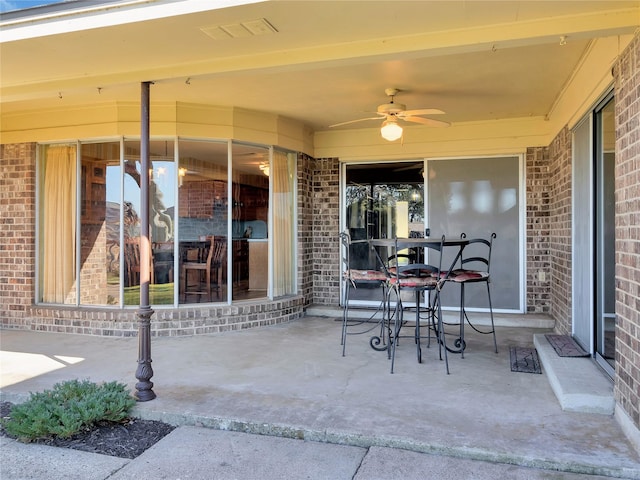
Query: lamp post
column 144, row 372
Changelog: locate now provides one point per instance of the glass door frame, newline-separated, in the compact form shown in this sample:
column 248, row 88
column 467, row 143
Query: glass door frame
column 420, row 163
column 601, row 273
column 425, row 162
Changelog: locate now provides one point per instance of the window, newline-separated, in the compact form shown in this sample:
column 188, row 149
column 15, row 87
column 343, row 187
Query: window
column 100, row 223
column 89, row 222
column 58, row 224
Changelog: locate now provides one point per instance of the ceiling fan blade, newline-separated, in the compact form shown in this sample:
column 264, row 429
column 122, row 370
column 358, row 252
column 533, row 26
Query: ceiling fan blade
column 421, row 111
column 426, row 121
column 354, row 121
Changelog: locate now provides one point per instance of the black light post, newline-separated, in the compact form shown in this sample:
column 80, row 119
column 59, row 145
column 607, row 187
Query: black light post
column 144, row 372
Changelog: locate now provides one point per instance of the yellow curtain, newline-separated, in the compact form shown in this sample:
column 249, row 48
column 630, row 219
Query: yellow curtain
column 283, row 168
column 59, row 225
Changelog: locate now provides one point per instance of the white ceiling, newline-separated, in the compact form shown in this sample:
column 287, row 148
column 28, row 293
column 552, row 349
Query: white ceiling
column 327, row 62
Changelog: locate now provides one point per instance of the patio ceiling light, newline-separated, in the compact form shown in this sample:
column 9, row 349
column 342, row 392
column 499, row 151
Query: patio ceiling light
column 391, row 130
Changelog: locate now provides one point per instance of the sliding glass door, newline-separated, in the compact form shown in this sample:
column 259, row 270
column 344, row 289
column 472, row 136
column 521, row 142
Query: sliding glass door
column 381, row 200
column 477, row 196
column 605, row 301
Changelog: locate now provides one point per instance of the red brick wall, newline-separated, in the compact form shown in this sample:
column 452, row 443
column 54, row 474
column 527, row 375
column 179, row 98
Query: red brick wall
column 17, row 239
column 537, row 235
column 326, row 244
column 306, row 166
column 93, row 270
column 197, row 198
column 627, row 92
column 17, row 274
column 560, row 229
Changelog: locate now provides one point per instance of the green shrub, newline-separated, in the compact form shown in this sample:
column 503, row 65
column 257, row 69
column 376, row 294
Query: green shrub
column 67, row 409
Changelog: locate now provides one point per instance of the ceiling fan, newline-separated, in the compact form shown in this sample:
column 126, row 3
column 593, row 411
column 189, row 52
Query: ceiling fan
column 392, row 112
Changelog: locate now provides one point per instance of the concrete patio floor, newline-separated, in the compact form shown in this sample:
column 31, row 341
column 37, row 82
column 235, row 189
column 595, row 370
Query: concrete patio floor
column 290, row 380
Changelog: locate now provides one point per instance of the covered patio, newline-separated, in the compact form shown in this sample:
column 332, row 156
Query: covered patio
column 291, row 380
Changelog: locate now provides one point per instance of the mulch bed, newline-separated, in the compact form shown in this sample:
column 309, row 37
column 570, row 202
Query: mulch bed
column 124, row 440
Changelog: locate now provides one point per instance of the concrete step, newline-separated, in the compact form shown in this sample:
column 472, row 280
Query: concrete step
column 579, row 384
column 483, row 319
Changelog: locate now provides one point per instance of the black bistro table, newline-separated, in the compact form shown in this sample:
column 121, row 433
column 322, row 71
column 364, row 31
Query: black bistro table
column 391, row 248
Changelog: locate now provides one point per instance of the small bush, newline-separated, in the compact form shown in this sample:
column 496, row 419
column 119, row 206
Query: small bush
column 67, row 409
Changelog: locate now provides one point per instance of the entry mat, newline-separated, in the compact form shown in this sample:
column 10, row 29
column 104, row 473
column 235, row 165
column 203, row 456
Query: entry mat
column 524, row 359
column 565, row 346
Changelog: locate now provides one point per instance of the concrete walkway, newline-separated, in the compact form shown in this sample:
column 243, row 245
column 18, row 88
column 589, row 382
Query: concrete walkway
column 281, row 402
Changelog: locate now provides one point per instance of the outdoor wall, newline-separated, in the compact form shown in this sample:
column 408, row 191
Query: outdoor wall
column 627, row 112
column 326, row 214
column 17, row 241
column 538, row 224
column 18, row 265
column 326, row 224
column 165, row 322
column 559, row 188
column 306, row 166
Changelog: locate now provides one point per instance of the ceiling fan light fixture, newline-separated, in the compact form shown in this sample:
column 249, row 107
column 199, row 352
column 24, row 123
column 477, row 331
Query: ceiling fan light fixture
column 391, row 130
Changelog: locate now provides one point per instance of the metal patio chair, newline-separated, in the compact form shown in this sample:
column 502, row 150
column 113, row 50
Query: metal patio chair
column 480, row 258
column 352, row 278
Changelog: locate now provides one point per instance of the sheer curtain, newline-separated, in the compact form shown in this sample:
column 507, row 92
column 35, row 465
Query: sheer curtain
column 59, row 225
column 283, row 168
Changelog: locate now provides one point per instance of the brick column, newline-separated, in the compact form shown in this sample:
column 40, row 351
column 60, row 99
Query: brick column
column 306, row 166
column 326, row 244
column 17, row 241
column 537, row 235
column 560, row 229
column 627, row 173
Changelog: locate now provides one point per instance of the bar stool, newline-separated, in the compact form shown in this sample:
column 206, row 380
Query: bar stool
column 466, row 275
column 352, row 278
column 420, row 279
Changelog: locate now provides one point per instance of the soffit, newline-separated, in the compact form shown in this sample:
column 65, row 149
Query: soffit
column 329, row 62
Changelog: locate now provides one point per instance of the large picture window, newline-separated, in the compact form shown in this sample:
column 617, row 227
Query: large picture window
column 210, row 223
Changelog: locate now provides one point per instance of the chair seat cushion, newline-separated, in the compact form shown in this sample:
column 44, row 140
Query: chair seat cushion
column 462, row 275
column 414, row 282
column 359, row 275
column 407, row 271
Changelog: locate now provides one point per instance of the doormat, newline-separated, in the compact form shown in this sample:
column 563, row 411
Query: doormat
column 524, row 360
column 566, row 346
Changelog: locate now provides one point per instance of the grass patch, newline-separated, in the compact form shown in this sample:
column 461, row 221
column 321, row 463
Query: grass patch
column 159, row 294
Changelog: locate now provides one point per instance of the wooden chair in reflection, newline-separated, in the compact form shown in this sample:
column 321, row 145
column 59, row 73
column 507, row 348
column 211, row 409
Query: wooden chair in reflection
column 132, row 262
column 202, row 262
column 162, row 253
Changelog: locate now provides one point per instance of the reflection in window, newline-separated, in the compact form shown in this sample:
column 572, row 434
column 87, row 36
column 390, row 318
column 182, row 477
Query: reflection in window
column 508, row 199
column 381, row 200
column 251, row 172
column 100, row 224
column 203, row 221
column 197, row 219
column 162, row 177
column 457, row 200
column 482, row 196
